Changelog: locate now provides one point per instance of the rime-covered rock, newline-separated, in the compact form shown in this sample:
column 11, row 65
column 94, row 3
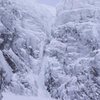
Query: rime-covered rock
column 77, row 29
column 23, row 27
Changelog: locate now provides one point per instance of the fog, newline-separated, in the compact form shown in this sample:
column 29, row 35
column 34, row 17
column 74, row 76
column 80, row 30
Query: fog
column 49, row 2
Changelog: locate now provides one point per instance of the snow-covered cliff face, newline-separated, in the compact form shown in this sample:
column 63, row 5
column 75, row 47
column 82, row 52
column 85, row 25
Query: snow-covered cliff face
column 74, row 71
column 24, row 27
column 38, row 55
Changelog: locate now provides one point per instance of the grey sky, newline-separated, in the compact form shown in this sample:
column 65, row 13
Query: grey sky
column 49, row 2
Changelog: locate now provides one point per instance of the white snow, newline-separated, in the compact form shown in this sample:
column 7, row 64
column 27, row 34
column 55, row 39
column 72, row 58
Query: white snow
column 10, row 96
column 59, row 63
